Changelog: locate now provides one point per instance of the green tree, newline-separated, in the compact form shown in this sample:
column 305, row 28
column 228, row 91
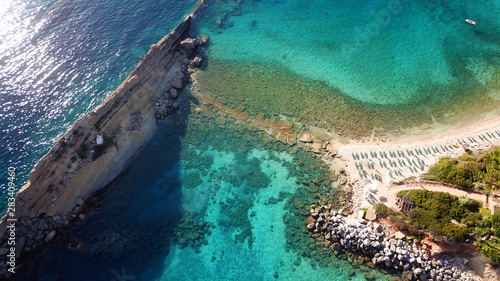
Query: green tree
column 471, row 204
column 492, row 175
column 457, row 212
column 495, row 221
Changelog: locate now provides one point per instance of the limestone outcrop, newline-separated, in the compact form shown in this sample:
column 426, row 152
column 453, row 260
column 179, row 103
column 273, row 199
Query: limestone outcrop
column 97, row 147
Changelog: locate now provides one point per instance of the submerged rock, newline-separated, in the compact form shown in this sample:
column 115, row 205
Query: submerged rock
column 198, row 60
column 305, row 138
column 369, row 276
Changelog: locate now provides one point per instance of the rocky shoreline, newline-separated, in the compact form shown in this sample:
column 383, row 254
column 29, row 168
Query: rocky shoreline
column 343, row 233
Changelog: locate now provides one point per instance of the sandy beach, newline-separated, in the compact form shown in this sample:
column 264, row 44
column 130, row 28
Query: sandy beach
column 378, row 165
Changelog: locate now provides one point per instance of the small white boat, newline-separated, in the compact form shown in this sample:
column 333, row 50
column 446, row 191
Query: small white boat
column 470, row 21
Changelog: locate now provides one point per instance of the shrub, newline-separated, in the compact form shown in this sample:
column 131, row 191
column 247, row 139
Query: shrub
column 496, row 224
column 381, row 209
column 492, row 175
column 436, row 233
column 457, row 212
column 469, row 172
column 471, row 219
column 82, row 151
column 471, row 204
column 489, row 249
column 486, row 222
column 456, row 232
column 481, row 231
column 99, row 150
column 418, row 218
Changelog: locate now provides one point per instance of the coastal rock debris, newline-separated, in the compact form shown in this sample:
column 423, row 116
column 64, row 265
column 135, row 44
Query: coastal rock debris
column 165, row 104
column 369, row 239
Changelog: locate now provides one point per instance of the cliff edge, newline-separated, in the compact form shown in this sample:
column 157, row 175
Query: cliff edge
column 96, row 148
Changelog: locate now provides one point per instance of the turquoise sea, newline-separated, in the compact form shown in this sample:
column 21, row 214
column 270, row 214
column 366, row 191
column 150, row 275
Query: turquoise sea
column 386, row 65
column 206, row 201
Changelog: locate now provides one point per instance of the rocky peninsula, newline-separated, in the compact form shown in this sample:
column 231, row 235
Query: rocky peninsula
column 97, row 147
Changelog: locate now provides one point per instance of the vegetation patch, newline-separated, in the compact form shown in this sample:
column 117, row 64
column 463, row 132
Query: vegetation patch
column 481, row 172
column 82, row 151
column 192, row 179
column 99, row 150
column 450, row 217
column 436, row 210
column 399, row 219
column 491, row 249
column 192, row 232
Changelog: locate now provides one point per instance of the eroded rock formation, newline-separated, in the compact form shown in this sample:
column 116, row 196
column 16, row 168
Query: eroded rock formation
column 97, row 147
